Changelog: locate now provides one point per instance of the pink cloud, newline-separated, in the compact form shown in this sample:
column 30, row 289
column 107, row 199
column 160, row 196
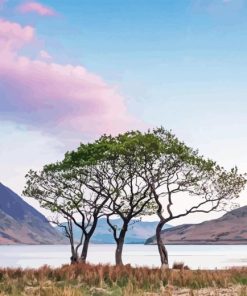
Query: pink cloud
column 37, row 8
column 61, row 99
column 45, row 55
column 13, row 36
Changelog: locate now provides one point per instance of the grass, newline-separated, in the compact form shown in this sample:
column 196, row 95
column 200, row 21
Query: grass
column 86, row 279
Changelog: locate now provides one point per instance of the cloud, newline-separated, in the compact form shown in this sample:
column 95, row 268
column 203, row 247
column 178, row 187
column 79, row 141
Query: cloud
column 59, row 99
column 14, row 36
column 36, row 8
column 45, row 55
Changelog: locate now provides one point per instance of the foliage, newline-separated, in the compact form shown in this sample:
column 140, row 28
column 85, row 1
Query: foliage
column 180, row 175
column 132, row 175
column 114, row 165
column 63, row 193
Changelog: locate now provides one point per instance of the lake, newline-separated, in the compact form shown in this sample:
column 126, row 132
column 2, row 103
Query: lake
column 208, row 257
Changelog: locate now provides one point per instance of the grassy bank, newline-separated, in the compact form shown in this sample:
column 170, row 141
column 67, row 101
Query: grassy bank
column 112, row 280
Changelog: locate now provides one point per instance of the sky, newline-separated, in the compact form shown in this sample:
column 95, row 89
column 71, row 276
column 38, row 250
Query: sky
column 73, row 70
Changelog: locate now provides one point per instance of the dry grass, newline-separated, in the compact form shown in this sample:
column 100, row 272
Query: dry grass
column 85, row 279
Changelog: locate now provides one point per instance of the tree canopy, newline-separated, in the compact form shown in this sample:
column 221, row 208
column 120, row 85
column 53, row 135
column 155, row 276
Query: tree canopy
column 132, row 175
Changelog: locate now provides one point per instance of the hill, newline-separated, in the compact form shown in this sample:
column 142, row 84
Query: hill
column 231, row 228
column 22, row 224
column 137, row 233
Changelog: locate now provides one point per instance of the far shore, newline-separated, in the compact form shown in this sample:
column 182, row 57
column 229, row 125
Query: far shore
column 206, row 242
column 170, row 243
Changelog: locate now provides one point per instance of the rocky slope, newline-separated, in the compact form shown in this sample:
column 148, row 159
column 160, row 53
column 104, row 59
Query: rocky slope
column 229, row 229
column 22, row 224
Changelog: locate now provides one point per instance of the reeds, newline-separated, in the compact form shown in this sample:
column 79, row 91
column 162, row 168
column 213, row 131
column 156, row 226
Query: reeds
column 86, row 279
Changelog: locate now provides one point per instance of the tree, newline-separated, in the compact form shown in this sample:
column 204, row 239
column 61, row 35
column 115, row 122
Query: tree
column 113, row 164
column 63, row 193
column 178, row 173
column 68, row 231
column 131, row 175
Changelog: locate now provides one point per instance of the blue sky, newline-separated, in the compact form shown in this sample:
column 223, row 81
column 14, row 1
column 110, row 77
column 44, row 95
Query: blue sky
column 177, row 63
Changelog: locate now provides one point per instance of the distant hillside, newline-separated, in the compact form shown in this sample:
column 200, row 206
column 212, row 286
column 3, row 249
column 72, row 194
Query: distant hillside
column 229, row 229
column 22, row 224
column 137, row 233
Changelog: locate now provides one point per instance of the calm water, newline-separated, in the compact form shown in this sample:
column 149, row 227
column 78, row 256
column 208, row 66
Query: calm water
column 209, row 257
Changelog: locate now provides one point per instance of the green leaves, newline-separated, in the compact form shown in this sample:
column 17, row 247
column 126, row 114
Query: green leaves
column 132, row 172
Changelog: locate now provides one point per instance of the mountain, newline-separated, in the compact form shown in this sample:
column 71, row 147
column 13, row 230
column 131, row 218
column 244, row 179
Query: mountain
column 229, row 229
column 137, row 233
column 22, row 224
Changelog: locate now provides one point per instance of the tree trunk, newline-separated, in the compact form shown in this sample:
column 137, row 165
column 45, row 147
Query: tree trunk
column 120, row 243
column 74, row 257
column 119, row 251
column 162, row 249
column 87, row 238
column 85, row 248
